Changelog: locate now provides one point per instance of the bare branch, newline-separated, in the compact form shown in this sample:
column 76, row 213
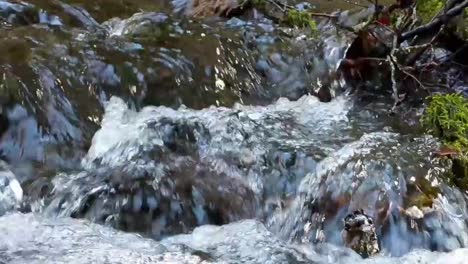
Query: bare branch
column 281, row 6
column 394, row 82
column 322, row 15
column 414, row 78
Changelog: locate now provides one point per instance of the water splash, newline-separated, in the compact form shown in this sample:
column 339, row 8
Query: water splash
column 383, row 173
column 214, row 165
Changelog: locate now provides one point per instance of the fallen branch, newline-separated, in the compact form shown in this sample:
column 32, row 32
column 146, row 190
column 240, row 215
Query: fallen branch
column 322, row 15
column 422, row 48
column 448, row 5
column 393, row 68
column 436, row 23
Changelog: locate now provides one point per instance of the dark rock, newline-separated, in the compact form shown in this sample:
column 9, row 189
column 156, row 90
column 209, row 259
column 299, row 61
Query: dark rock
column 359, row 234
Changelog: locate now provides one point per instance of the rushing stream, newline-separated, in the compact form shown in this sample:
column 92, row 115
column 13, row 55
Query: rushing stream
column 131, row 133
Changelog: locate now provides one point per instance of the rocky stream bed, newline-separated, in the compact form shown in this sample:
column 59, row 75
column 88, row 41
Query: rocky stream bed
column 142, row 132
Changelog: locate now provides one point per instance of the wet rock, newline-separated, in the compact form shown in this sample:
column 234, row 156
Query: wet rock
column 198, row 64
column 22, row 13
column 15, row 12
column 11, row 194
column 414, row 212
column 156, row 205
column 26, row 140
column 447, row 222
column 152, row 59
column 359, row 234
column 27, row 147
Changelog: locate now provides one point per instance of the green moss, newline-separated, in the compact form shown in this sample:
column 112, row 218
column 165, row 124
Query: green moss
column 300, row 19
column 447, row 118
column 427, row 9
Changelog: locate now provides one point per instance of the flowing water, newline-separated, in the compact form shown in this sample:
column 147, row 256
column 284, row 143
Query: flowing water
column 134, row 134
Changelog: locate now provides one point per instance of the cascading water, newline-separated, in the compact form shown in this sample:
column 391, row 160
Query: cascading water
column 209, row 138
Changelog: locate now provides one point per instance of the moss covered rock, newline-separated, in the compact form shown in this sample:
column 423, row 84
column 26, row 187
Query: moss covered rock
column 300, row 19
column 447, row 118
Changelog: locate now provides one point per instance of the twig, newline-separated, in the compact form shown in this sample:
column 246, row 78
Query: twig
column 385, row 27
column 435, row 85
column 280, row 6
column 372, row 59
column 322, row 15
column 394, row 83
column 414, row 78
column 451, row 56
column 393, row 66
column 460, row 65
column 409, row 19
column 373, row 18
column 372, row 33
